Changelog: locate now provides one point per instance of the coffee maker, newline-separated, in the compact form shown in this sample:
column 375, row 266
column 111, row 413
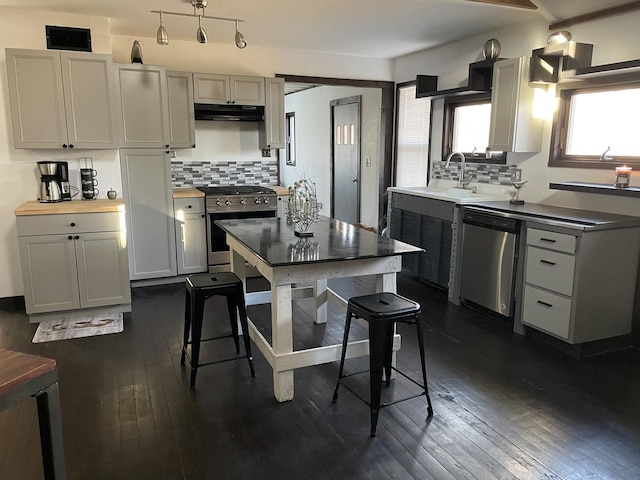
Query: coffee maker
column 49, row 187
column 62, row 175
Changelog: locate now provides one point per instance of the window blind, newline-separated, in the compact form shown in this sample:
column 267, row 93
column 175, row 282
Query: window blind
column 412, row 138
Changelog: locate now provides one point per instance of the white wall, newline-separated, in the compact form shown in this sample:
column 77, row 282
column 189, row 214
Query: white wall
column 18, row 177
column 614, row 40
column 313, row 137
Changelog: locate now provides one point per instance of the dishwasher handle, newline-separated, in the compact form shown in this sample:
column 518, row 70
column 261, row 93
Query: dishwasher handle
column 493, row 222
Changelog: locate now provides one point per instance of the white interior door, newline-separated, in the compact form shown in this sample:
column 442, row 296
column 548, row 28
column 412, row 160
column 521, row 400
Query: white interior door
column 346, row 160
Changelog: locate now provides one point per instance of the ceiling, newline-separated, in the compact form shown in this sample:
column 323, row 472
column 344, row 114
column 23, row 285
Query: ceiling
column 367, row 28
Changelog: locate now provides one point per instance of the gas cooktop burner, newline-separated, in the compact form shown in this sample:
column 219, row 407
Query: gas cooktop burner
column 236, row 190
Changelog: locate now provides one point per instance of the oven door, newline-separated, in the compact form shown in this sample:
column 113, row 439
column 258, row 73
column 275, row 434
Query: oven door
column 218, row 249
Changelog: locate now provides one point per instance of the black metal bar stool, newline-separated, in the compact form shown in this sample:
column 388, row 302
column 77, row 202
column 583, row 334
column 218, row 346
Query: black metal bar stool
column 382, row 311
column 200, row 287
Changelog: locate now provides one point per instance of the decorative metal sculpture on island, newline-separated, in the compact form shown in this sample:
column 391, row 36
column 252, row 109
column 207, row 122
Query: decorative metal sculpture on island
column 303, row 208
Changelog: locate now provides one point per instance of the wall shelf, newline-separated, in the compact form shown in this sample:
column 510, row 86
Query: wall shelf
column 597, row 188
column 550, row 63
column 628, row 66
column 479, row 80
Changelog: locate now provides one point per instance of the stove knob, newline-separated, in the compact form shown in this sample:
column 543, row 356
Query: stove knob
column 227, row 202
column 266, row 200
column 258, row 200
column 218, row 202
column 243, row 201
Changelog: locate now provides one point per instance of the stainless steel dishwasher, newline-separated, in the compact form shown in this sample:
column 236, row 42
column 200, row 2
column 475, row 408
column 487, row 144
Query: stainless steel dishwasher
column 489, row 259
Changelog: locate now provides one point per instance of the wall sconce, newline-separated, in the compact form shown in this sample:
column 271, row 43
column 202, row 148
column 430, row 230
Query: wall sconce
column 561, row 36
column 201, row 36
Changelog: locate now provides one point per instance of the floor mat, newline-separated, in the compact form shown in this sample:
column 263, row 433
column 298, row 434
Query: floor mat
column 89, row 326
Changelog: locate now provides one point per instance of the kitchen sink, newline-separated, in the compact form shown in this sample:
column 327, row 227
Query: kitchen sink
column 452, row 194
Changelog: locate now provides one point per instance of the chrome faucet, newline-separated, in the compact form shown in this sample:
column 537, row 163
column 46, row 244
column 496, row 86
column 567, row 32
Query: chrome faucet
column 462, row 161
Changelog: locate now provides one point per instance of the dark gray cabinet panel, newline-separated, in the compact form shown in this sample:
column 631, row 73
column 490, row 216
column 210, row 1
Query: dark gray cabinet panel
column 431, row 233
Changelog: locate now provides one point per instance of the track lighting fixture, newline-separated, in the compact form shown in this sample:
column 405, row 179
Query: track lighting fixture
column 201, row 35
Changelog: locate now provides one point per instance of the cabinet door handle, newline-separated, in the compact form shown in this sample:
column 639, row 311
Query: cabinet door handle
column 544, row 303
column 202, row 216
column 547, row 262
column 77, row 237
column 64, row 145
column 549, row 240
column 71, row 145
column 70, row 237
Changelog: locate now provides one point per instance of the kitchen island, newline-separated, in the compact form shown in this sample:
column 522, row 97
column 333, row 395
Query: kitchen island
column 336, row 250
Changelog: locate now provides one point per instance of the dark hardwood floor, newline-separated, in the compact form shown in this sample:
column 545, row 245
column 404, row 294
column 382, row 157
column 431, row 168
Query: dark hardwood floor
column 505, row 406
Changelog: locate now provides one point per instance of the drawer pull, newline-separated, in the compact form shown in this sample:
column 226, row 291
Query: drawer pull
column 544, row 303
column 73, row 224
column 549, row 240
column 547, row 262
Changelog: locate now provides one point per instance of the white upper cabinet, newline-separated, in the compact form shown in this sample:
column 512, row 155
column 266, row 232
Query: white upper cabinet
column 228, row 89
column 61, row 99
column 272, row 133
column 143, row 106
column 182, row 124
column 513, row 126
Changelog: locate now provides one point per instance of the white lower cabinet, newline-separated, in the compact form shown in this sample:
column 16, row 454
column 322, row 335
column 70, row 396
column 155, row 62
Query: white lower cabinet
column 146, row 182
column 578, row 287
column 73, row 261
column 191, row 235
column 283, row 205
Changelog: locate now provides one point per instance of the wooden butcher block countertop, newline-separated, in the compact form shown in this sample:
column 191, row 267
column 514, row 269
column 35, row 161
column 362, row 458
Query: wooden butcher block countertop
column 34, row 207
column 187, row 193
column 279, row 190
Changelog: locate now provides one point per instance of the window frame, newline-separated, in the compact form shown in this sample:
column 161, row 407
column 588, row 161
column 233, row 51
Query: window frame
column 290, row 140
column 450, row 104
column 564, row 92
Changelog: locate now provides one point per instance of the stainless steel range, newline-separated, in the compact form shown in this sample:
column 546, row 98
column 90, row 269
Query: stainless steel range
column 233, row 202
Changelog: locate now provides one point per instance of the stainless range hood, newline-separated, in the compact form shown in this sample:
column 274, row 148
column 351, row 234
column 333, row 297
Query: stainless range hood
column 229, row 113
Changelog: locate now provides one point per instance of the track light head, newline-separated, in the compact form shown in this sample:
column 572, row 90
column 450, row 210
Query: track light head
column 201, row 35
column 240, row 40
column 161, row 36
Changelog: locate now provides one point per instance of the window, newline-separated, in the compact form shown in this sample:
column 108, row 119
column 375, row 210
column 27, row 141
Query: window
column 290, row 145
column 412, row 137
column 596, row 124
column 467, row 121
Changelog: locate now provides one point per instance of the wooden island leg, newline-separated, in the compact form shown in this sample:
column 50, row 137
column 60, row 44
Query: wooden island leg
column 282, row 339
column 320, row 298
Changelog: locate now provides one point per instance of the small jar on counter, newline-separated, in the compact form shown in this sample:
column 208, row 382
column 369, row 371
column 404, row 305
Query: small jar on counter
column 623, row 176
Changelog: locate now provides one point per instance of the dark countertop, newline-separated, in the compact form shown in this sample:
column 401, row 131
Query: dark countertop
column 562, row 216
column 273, row 240
column 598, row 188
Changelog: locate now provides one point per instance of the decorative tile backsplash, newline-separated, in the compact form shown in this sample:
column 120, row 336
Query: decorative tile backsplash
column 482, row 172
column 194, row 174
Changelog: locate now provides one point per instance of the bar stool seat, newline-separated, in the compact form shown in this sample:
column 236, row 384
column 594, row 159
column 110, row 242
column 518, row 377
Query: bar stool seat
column 382, row 311
column 199, row 288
